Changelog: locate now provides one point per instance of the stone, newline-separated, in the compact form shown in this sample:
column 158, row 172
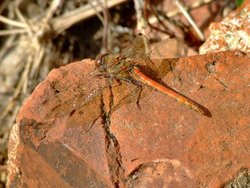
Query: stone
column 232, row 33
column 67, row 136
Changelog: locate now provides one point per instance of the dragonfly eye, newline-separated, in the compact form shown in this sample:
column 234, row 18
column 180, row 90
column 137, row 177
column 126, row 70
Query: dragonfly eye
column 100, row 60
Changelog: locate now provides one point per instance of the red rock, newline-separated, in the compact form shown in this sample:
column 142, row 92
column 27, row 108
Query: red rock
column 232, row 33
column 163, row 143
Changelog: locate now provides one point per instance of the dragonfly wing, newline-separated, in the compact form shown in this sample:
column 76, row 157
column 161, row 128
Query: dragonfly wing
column 164, row 66
column 64, row 99
column 165, row 55
column 140, row 48
column 154, row 60
column 169, row 48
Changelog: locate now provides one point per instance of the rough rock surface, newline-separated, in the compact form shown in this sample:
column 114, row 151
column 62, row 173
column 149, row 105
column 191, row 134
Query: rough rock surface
column 232, row 33
column 66, row 135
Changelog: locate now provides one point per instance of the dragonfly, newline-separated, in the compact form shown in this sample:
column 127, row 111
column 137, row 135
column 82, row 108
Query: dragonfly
column 126, row 67
column 135, row 65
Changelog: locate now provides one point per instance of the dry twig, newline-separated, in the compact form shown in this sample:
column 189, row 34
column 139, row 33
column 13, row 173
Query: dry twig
column 190, row 20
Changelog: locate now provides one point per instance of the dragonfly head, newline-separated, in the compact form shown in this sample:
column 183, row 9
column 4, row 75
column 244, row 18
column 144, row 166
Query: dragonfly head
column 101, row 61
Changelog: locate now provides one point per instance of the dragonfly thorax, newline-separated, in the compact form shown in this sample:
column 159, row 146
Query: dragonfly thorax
column 114, row 64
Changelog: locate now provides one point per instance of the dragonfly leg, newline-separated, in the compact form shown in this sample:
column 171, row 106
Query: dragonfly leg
column 103, row 75
column 110, row 77
column 118, row 81
column 139, row 96
column 134, row 82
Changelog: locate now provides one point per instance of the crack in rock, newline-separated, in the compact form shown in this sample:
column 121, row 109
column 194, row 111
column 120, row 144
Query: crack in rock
column 112, row 146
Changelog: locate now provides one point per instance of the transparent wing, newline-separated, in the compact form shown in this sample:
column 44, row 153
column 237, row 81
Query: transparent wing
column 139, row 49
column 164, row 56
column 158, row 60
column 66, row 96
column 169, row 48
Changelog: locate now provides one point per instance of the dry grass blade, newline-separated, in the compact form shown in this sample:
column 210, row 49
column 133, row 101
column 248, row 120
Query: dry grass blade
column 190, row 20
column 12, row 22
column 177, row 11
column 12, row 32
column 141, row 22
column 79, row 14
